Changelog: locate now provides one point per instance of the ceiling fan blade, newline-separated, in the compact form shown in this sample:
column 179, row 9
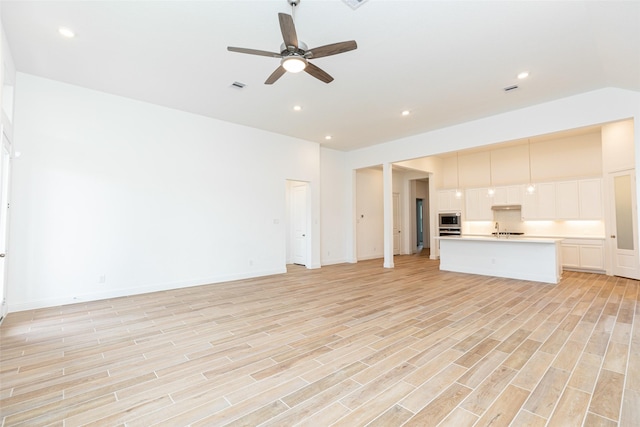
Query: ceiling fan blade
column 254, row 52
column 332, row 49
column 318, row 73
column 275, row 75
column 288, row 29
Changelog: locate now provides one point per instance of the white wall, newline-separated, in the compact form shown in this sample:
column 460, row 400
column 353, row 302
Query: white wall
column 142, row 197
column 334, row 203
column 369, row 214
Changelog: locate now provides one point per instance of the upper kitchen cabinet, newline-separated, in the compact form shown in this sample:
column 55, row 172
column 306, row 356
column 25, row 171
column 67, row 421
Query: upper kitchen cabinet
column 566, row 200
column 448, row 202
column 580, row 199
column 478, row 205
column 590, row 195
column 541, row 204
column 510, row 195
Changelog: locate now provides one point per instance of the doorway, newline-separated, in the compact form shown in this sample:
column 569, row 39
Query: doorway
column 298, row 220
column 419, row 224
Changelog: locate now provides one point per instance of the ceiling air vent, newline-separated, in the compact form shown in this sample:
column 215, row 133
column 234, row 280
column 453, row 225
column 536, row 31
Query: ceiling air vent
column 354, row 4
column 238, row 85
column 510, row 88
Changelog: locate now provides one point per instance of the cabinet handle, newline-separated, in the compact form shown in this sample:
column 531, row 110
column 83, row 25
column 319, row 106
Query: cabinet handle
column 613, row 236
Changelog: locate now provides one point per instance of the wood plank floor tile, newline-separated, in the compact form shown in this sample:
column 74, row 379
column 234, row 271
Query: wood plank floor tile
column 369, row 410
column 608, row 395
column 460, row 418
column 585, row 374
column 529, row 376
column 486, row 392
column 594, row 420
column 630, row 414
column 348, row 344
column 571, row 408
column 505, row 408
column 526, row 418
column 440, row 407
column 546, row 394
column 424, row 394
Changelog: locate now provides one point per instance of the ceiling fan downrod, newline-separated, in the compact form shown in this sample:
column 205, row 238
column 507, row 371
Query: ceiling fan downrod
column 293, row 4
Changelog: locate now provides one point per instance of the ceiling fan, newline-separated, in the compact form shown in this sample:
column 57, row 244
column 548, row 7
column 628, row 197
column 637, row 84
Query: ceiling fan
column 294, row 54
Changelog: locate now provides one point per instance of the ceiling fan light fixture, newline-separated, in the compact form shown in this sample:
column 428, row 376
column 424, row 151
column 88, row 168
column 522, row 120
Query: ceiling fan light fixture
column 294, row 63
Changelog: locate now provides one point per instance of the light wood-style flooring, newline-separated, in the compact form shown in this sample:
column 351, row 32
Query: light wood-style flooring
column 345, row 345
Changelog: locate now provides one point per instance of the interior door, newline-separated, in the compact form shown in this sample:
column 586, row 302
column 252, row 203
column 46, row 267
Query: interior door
column 4, row 214
column 396, row 223
column 624, row 226
column 299, row 220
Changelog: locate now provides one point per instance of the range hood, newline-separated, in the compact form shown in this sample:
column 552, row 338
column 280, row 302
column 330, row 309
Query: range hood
column 506, row 207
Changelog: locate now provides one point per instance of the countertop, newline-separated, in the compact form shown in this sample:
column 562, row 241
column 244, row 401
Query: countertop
column 503, row 239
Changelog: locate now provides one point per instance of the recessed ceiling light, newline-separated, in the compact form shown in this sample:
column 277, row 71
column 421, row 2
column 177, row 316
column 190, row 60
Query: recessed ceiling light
column 297, row 108
column 66, row 32
column 406, row 112
column 523, row 75
column 328, row 137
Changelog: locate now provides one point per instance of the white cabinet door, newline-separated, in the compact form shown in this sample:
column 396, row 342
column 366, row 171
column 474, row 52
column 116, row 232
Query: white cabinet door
column 443, row 200
column 590, row 195
column 546, row 194
column 509, row 195
column 583, row 254
column 541, row 204
column 448, row 202
column 515, row 193
column 455, row 202
column 592, row 257
column 570, row 256
column 567, row 202
column 478, row 205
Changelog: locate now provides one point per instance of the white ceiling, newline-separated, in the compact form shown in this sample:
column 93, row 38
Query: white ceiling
column 445, row 61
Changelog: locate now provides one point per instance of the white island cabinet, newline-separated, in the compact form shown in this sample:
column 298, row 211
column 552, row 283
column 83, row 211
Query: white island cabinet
column 535, row 259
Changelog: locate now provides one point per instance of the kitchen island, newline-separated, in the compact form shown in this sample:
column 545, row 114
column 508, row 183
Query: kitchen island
column 525, row 258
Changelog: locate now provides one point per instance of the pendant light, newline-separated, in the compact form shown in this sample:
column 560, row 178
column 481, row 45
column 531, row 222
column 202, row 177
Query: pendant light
column 458, row 192
column 490, row 191
column 531, row 188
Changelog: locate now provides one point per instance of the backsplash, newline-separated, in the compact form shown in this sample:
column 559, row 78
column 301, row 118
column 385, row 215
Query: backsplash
column 574, row 228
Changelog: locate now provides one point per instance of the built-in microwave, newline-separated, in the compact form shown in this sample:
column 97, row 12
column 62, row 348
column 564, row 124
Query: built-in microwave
column 451, row 219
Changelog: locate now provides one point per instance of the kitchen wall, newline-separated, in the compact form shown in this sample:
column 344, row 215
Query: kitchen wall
column 116, row 197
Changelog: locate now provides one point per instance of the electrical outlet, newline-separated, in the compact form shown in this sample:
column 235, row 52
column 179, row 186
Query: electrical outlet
column 102, row 278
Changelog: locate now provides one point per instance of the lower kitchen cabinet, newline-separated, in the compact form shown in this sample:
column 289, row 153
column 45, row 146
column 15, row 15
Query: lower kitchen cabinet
column 583, row 254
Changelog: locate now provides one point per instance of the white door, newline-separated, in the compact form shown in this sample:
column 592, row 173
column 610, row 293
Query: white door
column 299, row 220
column 396, row 223
column 624, row 228
column 4, row 213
